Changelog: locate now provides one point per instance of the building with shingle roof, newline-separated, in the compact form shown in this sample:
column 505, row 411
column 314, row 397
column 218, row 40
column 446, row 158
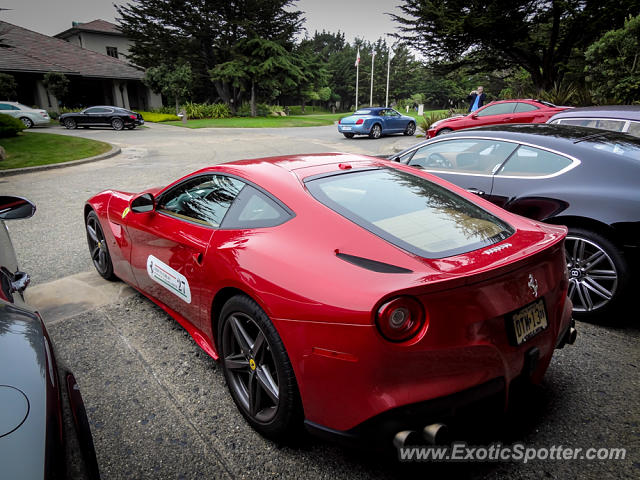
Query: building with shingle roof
column 95, row 78
column 100, row 36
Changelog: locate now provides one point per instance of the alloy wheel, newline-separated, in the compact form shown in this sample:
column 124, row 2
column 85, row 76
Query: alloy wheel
column 593, row 277
column 251, row 367
column 27, row 122
column 97, row 245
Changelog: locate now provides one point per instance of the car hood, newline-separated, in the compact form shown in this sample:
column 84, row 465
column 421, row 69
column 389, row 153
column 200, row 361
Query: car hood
column 26, row 369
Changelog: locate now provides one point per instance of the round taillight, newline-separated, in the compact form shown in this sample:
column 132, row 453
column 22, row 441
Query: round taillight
column 360, row 121
column 400, row 319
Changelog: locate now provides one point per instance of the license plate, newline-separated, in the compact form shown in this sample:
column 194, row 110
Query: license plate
column 346, row 128
column 527, row 322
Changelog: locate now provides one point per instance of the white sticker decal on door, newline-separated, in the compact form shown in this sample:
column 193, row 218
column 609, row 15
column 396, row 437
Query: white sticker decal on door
column 166, row 276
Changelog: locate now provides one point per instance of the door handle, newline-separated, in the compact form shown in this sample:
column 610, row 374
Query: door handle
column 198, row 257
column 475, row 190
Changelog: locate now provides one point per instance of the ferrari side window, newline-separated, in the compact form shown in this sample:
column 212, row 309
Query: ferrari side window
column 204, row 199
column 254, row 209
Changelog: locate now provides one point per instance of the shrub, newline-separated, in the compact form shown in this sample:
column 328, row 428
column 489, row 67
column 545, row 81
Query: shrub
column 427, row 120
column 9, row 126
column 158, row 117
column 205, row 110
column 53, row 115
column 262, row 110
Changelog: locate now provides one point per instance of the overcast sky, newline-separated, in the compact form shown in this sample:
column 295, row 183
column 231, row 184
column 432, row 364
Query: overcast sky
column 357, row 18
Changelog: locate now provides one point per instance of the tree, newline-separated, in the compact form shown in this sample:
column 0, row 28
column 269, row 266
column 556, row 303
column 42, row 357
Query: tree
column 258, row 61
column 57, row 84
column 173, row 82
column 613, row 64
column 538, row 35
column 8, row 87
column 203, row 34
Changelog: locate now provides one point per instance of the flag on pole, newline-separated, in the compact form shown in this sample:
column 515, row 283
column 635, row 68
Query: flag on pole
column 358, row 58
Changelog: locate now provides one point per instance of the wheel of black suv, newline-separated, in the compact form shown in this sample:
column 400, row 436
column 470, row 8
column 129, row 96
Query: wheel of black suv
column 348, row 135
column 411, row 129
column 376, row 131
column 70, row 123
column 98, row 247
column 598, row 273
column 117, row 124
column 257, row 369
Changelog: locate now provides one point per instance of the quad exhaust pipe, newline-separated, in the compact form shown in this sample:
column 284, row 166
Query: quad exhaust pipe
column 434, row 434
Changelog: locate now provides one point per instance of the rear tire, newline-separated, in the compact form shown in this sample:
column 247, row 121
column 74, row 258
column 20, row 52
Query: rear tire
column 117, row 124
column 257, row 369
column 598, row 274
column 27, row 122
column 376, row 131
column 348, row 135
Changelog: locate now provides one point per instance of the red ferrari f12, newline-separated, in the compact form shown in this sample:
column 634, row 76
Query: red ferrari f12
column 342, row 290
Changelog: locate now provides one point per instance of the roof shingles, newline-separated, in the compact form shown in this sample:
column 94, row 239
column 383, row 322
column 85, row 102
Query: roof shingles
column 34, row 52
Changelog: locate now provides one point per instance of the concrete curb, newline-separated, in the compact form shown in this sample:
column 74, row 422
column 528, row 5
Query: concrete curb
column 18, row 171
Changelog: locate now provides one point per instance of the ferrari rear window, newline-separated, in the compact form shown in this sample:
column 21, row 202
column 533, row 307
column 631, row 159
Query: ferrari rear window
column 410, row 212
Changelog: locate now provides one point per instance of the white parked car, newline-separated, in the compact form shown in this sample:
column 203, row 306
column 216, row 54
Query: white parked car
column 29, row 116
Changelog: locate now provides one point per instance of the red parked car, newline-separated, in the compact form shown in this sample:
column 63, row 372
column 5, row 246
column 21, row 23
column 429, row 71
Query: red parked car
column 328, row 304
column 497, row 113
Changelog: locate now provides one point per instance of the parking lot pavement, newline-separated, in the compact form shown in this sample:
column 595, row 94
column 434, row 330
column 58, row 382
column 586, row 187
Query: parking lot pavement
column 158, row 405
column 159, row 408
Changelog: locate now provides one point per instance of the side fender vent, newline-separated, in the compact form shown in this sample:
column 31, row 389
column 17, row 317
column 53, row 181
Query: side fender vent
column 372, row 265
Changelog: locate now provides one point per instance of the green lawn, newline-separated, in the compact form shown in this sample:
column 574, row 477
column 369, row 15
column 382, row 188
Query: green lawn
column 263, row 122
column 307, row 120
column 31, row 149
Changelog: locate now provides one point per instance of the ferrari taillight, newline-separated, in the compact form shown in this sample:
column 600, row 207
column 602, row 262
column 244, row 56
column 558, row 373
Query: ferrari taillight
column 401, row 319
column 360, row 121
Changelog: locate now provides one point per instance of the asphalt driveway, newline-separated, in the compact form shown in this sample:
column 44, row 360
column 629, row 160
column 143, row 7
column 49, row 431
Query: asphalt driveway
column 158, row 405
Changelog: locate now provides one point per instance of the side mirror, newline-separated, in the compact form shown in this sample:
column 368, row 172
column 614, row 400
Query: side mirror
column 474, row 115
column 143, row 204
column 14, row 208
column 395, row 159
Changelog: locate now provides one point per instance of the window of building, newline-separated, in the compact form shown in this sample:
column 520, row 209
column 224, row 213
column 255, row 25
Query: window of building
column 112, row 52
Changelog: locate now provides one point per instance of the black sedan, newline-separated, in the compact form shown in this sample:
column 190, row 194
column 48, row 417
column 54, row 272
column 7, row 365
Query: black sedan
column 102, row 116
column 44, row 430
column 586, row 179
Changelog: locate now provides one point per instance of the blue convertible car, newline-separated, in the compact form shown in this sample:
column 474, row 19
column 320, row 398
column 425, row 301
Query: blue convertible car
column 375, row 122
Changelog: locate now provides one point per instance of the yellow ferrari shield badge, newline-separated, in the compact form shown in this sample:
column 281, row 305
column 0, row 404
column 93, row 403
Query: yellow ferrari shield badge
column 125, row 212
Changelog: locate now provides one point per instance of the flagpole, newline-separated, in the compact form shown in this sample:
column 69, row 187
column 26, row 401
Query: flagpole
column 373, row 57
column 386, row 101
column 357, row 73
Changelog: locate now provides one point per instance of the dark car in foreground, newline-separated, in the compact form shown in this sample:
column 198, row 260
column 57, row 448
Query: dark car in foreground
column 585, row 179
column 375, row 122
column 327, row 303
column 498, row 113
column 102, row 116
column 44, row 430
column 617, row 118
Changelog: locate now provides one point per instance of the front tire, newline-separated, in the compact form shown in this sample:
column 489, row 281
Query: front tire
column 257, row 369
column 411, row 129
column 348, row 135
column 444, row 131
column 376, row 131
column 117, row 124
column 598, row 273
column 27, row 122
column 98, row 247
column 70, row 124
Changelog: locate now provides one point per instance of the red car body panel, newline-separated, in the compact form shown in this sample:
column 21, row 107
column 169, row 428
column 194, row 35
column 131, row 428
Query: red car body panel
column 541, row 114
column 324, row 308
